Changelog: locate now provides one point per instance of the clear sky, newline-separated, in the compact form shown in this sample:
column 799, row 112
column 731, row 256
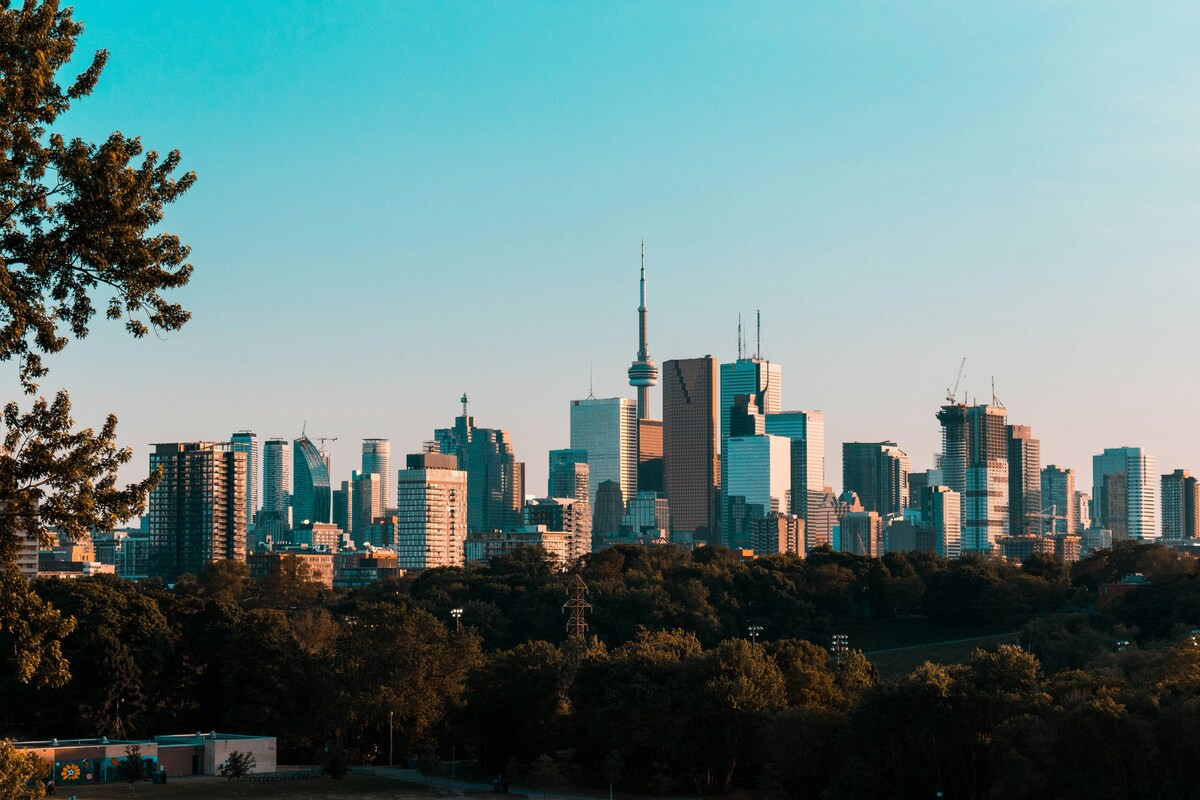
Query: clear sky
column 401, row 201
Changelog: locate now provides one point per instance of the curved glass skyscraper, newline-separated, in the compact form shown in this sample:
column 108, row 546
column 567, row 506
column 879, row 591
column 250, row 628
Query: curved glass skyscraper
column 311, row 497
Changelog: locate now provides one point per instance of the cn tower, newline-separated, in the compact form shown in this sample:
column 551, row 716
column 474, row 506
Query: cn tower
column 642, row 372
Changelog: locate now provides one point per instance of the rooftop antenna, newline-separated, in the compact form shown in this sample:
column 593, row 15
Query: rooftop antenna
column 758, row 333
column 591, row 387
column 739, row 336
column 463, row 400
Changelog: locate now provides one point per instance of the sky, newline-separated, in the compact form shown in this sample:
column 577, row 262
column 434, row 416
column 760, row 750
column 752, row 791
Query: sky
column 400, row 202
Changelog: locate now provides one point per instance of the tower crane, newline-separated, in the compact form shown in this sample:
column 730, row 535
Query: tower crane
column 952, row 394
column 324, row 439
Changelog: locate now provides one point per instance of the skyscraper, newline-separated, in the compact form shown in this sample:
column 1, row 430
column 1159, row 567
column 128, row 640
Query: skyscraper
column 432, row 512
column 1024, row 482
column 366, row 501
column 878, row 473
column 277, row 481
column 495, row 479
column 861, row 532
column 691, row 465
column 1180, row 506
column 985, row 515
column 343, row 507
column 609, row 508
column 974, row 463
column 311, row 497
column 759, row 483
column 1123, row 493
column 197, row 512
column 1058, row 500
column 247, row 442
column 607, row 430
column 752, row 376
column 568, row 475
column 806, row 429
column 377, row 458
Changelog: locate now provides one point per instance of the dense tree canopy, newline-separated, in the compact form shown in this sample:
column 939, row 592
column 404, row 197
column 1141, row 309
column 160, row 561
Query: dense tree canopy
column 679, row 710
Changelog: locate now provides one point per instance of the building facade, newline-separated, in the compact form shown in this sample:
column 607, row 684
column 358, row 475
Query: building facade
column 432, row 512
column 377, row 459
column 759, row 482
column 878, row 473
column 312, row 498
column 606, row 429
column 1123, row 493
column 691, row 431
column 1024, row 482
column 568, row 515
column 761, row 380
column 247, row 442
column 569, row 475
column 806, row 429
column 197, row 512
column 496, row 480
column 1180, row 506
column 276, row 483
column 1060, row 510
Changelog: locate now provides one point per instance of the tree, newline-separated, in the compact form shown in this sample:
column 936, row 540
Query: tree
column 21, row 773
column 76, row 229
column 545, row 773
column 132, row 767
column 238, row 765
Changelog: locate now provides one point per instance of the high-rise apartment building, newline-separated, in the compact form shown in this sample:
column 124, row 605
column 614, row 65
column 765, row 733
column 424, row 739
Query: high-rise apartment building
column 761, row 380
column 312, row 500
column 496, row 480
column 777, row 533
column 941, row 510
column 431, row 512
column 247, row 442
column 572, row 517
column 197, row 512
column 569, row 474
column 650, row 455
column 759, row 483
column 1024, row 482
column 806, row 429
column 1123, row 493
column 1083, row 510
column 825, row 513
column 277, row 482
column 691, row 464
column 607, row 430
column 878, row 473
column 974, row 463
column 377, row 459
column 1180, row 506
column 1060, row 510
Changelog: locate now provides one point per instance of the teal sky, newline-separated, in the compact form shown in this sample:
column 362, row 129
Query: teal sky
column 398, row 202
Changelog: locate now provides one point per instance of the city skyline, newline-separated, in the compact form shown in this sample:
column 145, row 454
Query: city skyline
column 907, row 203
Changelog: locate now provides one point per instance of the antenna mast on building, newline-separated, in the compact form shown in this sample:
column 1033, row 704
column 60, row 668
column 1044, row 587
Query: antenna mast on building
column 758, row 333
column 463, row 400
column 578, row 604
column 739, row 336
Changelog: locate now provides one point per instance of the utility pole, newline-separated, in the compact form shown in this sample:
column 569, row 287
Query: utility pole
column 391, row 739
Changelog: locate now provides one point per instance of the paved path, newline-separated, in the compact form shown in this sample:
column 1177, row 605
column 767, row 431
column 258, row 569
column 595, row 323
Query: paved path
column 460, row 786
column 1010, row 635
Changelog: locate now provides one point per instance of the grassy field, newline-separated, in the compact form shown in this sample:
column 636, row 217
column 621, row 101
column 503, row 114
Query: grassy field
column 360, row 787
column 898, row 646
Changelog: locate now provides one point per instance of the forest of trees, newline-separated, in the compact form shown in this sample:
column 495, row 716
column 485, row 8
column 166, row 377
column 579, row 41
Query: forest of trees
column 665, row 693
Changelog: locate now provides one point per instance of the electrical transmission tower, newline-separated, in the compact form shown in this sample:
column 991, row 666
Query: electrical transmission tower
column 578, row 604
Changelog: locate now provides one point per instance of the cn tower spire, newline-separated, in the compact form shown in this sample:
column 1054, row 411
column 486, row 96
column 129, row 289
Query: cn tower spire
column 642, row 373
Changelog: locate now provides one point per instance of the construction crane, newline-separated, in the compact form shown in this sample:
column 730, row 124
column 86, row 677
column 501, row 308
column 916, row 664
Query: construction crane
column 324, row 439
column 952, row 394
column 995, row 400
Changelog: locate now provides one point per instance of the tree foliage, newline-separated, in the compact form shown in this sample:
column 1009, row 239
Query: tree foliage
column 238, row 765
column 21, row 773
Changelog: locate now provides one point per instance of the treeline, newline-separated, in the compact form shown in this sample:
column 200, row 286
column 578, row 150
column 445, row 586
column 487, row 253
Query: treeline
column 665, row 694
